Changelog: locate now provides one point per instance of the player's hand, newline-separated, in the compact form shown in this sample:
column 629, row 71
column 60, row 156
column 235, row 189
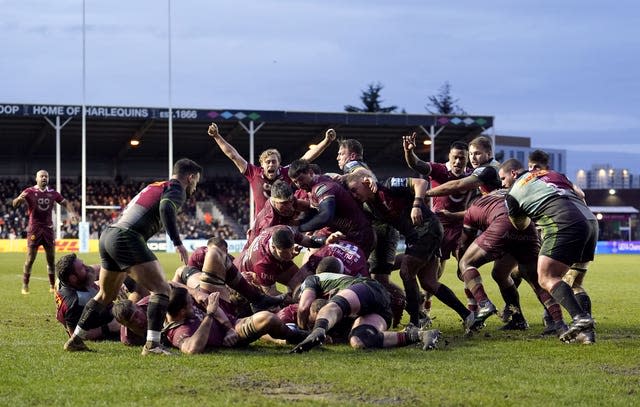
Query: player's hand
column 334, row 237
column 213, row 130
column 371, row 183
column 184, row 255
column 409, row 142
column 416, row 216
column 330, row 135
column 212, row 302
column 230, row 338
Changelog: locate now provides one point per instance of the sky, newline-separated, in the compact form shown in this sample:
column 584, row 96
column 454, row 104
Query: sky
column 563, row 73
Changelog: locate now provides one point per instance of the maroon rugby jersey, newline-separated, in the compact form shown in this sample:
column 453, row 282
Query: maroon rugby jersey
column 40, row 205
column 268, row 217
column 196, row 259
column 259, row 260
column 441, row 174
column 261, row 185
column 352, row 257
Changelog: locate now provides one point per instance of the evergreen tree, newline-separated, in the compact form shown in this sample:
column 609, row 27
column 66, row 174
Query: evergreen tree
column 444, row 103
column 371, row 101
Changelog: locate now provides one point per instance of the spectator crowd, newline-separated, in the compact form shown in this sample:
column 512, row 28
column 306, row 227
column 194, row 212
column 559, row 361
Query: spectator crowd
column 229, row 194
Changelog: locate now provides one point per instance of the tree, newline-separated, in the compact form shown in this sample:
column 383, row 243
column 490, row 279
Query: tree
column 371, row 100
column 444, row 103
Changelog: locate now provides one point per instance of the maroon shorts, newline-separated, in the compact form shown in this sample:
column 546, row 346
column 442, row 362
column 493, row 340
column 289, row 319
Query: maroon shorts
column 40, row 236
column 450, row 240
column 501, row 237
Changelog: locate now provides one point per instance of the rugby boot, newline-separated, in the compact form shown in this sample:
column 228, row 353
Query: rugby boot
column 582, row 322
column 156, row 349
column 554, row 328
column 485, row 310
column 52, row 289
column 75, row 344
column 587, row 337
column 472, row 324
column 25, row 289
column 315, row 338
column 517, row 323
column 424, row 321
column 429, row 339
column 297, row 335
column 506, row 313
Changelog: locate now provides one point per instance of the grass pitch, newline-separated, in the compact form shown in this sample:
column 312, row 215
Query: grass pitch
column 492, row 368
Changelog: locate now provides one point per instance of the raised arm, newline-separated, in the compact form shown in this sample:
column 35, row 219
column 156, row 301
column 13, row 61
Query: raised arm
column 315, row 151
column 227, row 148
column 416, row 164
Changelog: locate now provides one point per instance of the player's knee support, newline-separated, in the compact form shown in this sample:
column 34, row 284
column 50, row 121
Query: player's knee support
column 370, row 337
column 343, row 303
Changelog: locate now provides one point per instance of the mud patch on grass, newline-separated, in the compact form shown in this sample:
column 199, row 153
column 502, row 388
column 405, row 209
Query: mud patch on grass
column 289, row 391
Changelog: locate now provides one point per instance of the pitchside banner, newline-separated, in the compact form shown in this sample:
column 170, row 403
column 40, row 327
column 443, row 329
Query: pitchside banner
column 618, row 247
column 235, row 246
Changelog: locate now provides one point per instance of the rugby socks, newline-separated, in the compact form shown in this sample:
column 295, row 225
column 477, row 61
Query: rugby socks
column 472, row 304
column 584, row 301
column 550, row 304
column 473, row 281
column 52, row 277
column 91, row 318
column 447, row 296
column 511, row 297
column 156, row 311
column 563, row 294
column 25, row 279
column 412, row 293
column 321, row 323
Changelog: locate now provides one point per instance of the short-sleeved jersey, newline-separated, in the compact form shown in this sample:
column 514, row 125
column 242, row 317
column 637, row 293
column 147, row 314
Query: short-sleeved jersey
column 40, row 205
column 267, row 217
column 261, row 185
column 154, row 207
column 326, row 285
column 70, row 304
column 196, row 258
column 352, row 257
column 349, row 218
column 440, row 174
column 259, row 260
column 488, row 176
column 547, row 198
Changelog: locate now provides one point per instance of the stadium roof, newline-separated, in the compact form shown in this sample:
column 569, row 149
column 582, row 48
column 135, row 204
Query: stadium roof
column 27, row 131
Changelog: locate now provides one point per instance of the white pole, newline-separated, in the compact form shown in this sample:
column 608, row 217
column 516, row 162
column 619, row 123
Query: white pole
column 57, row 126
column 170, row 247
column 170, row 90
column 83, row 227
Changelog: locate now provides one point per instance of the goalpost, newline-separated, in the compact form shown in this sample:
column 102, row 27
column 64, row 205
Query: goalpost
column 84, row 233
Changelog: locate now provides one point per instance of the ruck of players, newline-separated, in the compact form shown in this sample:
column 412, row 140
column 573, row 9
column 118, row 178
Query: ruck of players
column 322, row 266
